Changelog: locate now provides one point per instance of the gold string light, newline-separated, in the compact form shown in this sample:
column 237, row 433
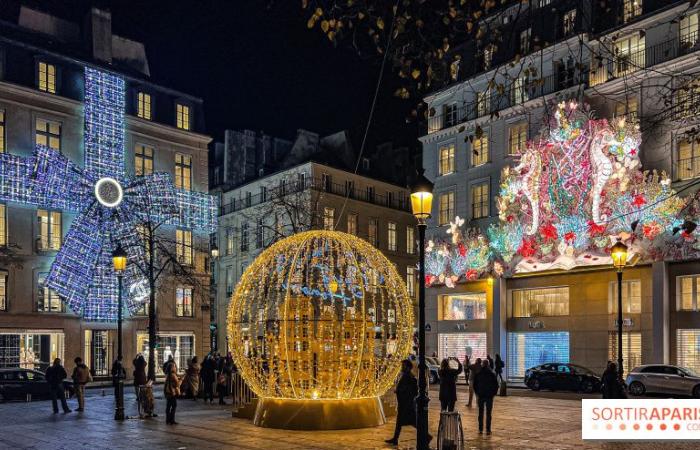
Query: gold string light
column 320, row 315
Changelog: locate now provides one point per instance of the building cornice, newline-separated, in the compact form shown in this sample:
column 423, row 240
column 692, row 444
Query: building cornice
column 166, row 133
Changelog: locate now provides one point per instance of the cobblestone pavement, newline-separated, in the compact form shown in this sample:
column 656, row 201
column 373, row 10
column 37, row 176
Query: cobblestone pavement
column 520, row 422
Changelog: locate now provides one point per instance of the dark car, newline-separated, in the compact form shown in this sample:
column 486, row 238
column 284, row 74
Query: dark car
column 18, row 384
column 562, row 377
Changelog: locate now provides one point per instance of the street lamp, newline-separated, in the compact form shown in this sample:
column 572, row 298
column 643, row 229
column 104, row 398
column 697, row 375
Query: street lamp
column 119, row 257
column 618, row 252
column 213, row 307
column 421, row 205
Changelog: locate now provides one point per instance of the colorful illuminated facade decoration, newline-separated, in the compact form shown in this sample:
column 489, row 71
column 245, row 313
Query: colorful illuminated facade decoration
column 573, row 193
column 108, row 204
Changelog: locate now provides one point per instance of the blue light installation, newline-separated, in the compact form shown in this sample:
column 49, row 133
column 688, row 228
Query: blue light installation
column 82, row 271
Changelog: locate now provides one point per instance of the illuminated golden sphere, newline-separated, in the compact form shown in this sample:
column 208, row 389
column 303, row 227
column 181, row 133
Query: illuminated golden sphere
column 320, row 315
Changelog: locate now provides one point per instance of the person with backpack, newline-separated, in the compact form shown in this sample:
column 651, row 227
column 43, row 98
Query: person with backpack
column 54, row 377
column 498, row 367
column 81, row 377
column 486, row 388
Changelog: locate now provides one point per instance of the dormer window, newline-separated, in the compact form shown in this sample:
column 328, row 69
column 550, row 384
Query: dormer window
column 46, row 77
column 183, row 116
column 144, row 106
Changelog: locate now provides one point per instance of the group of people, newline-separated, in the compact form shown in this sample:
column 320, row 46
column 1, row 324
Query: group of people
column 56, row 374
column 483, row 377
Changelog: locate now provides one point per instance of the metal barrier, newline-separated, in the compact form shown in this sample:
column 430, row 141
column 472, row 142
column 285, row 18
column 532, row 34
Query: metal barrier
column 239, row 390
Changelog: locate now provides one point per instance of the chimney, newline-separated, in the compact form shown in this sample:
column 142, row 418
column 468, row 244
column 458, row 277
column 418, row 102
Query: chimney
column 98, row 34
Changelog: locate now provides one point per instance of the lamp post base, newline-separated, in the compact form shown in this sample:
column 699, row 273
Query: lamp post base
column 119, row 410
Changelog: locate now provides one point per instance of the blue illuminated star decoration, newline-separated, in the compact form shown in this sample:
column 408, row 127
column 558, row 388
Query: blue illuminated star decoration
column 109, row 206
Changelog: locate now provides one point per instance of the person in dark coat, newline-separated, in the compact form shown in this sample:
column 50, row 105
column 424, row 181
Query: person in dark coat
column 473, row 370
column 498, row 367
column 448, row 384
column 208, row 375
column 54, row 377
column 139, row 372
column 486, row 388
column 611, row 386
column 406, row 392
column 490, row 360
column 118, row 373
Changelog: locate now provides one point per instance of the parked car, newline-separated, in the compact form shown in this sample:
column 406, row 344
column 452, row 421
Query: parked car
column 17, row 383
column 559, row 376
column 663, row 379
column 433, row 367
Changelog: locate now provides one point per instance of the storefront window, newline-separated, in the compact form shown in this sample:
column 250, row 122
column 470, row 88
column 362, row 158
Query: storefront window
column 180, row 346
column 469, row 306
column 98, row 352
column 688, row 348
column 460, row 345
column 30, row 350
column 631, row 349
column 530, row 349
column 541, row 302
column 631, row 297
column 687, row 292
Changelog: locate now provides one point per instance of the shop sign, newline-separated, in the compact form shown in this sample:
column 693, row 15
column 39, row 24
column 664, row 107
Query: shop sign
column 626, row 322
column 461, row 326
column 536, row 324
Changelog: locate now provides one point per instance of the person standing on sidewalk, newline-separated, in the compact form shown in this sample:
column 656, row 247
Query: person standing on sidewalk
column 486, row 388
column 473, row 370
column 81, row 376
column 140, row 378
column 208, row 375
column 118, row 373
column 498, row 367
column 172, row 392
column 406, row 392
column 54, row 377
column 448, row 384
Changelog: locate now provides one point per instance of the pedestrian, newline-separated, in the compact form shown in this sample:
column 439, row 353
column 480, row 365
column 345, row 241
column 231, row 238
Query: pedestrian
column 208, row 375
column 448, row 384
column 229, row 368
column 221, row 387
column 192, row 377
column 406, row 392
column 139, row 372
column 466, row 368
column 81, row 377
column 172, row 392
column 54, row 377
column 498, row 367
column 611, row 386
column 118, row 373
column 490, row 360
column 486, row 388
column 473, row 370
column 170, row 361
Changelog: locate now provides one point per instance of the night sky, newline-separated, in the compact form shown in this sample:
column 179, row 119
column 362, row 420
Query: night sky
column 259, row 68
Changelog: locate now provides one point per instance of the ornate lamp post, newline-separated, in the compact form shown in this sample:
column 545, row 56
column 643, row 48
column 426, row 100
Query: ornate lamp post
column 119, row 257
column 618, row 252
column 421, row 205
column 213, row 327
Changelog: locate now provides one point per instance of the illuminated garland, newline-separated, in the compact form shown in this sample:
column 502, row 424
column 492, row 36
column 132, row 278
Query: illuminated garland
column 81, row 273
column 320, row 315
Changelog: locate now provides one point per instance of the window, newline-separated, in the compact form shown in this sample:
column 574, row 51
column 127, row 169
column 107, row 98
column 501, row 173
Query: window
column 687, row 101
column 244, row 237
column 183, row 243
column 32, row 350
column 688, row 348
column 230, row 240
column 373, row 232
column 480, row 150
column 449, row 112
column 480, row 200
column 370, row 194
column 3, row 225
column 230, row 281
column 3, row 297
column 447, row 207
column 541, row 3
column 260, row 233
column 517, row 138
column 352, row 224
column 529, row 349
column 144, row 106
column 98, row 352
column 47, row 77
column 520, row 90
column 328, row 218
column 183, row 302
column 48, row 133
column 47, row 299
column 629, row 55
column 143, row 160
column 326, row 182
column 49, row 228
column 461, row 345
column 350, row 188
column 411, row 280
column 178, row 345
column 283, row 187
column 467, row 306
column 301, row 180
column 627, row 109
column 391, row 236
column 483, row 102
column 2, row 131
column 183, row 119
column 569, row 24
column 183, row 171
column 631, row 9
column 541, row 302
column 447, row 159
column 263, row 194
column 689, row 30
column 631, row 297
column 688, row 163
column 525, row 41
column 410, row 240
column 248, row 198
column 687, row 288
column 631, row 349
column 488, row 56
